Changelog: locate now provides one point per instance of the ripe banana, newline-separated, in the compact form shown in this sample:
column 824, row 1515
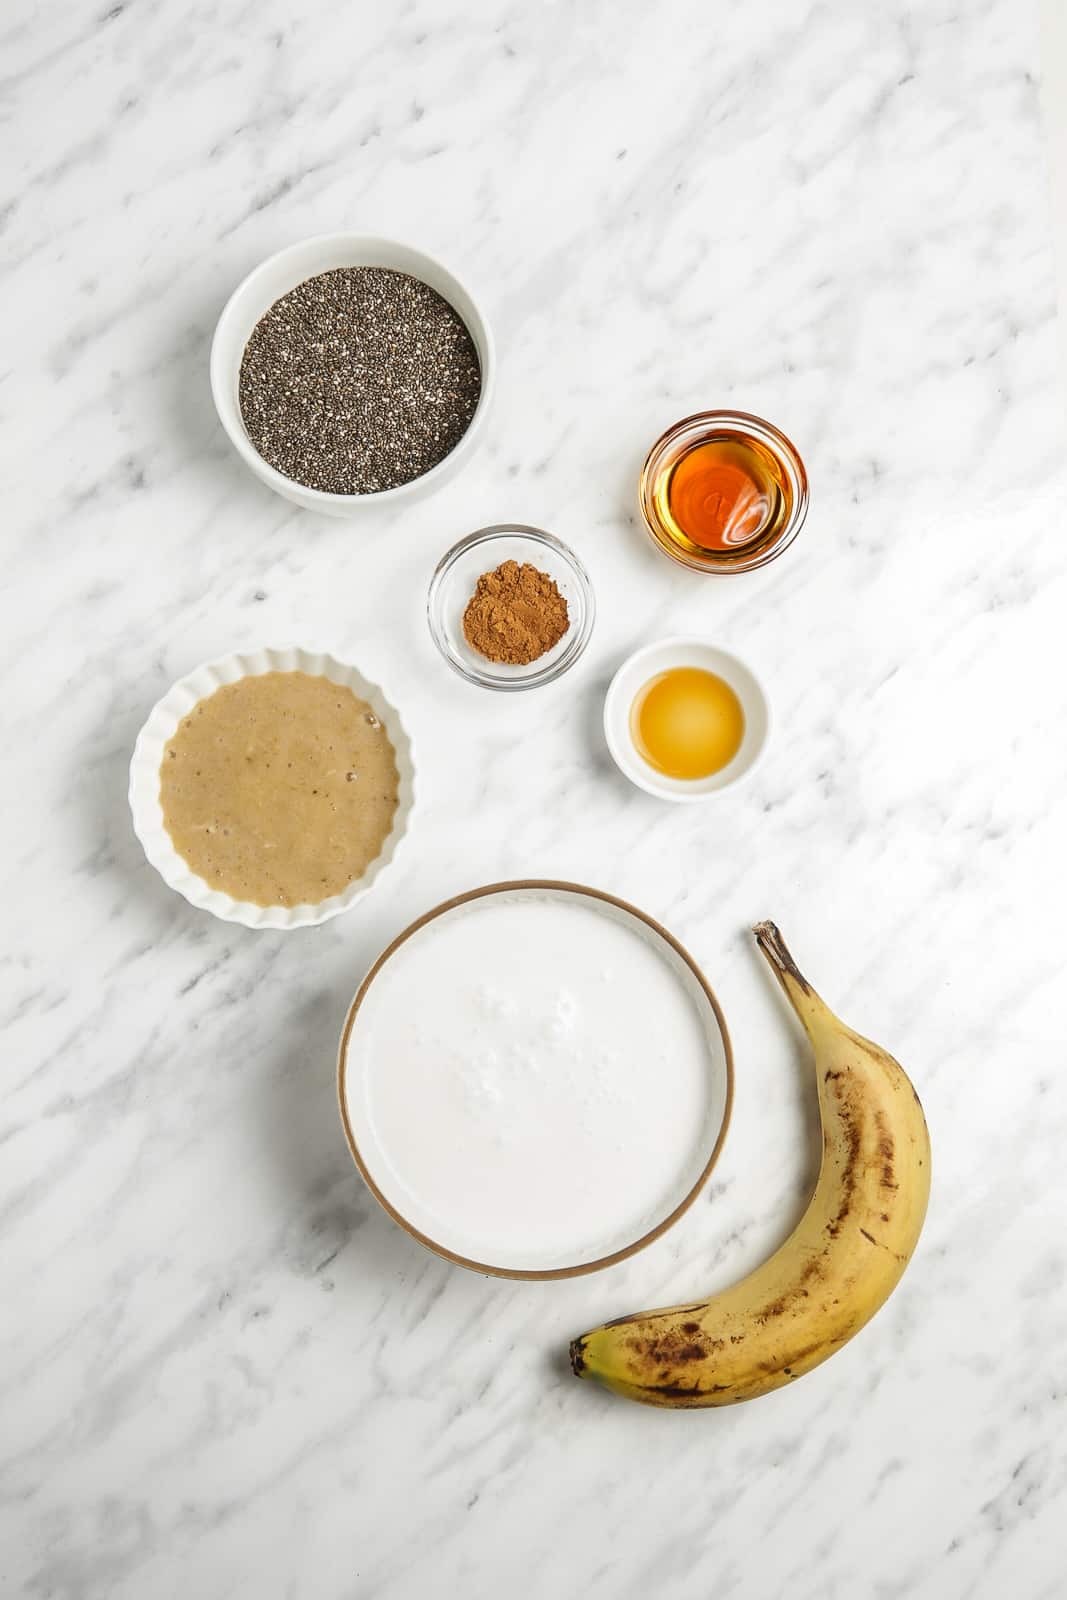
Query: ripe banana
column 830, row 1276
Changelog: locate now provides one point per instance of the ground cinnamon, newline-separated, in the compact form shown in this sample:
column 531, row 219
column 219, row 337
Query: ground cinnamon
column 515, row 614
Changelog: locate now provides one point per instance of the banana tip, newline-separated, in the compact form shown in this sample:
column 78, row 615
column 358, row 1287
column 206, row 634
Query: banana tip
column 577, row 1357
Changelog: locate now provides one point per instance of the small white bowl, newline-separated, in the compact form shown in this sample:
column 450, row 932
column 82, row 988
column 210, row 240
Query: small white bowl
column 284, row 271
column 632, row 676
column 162, row 724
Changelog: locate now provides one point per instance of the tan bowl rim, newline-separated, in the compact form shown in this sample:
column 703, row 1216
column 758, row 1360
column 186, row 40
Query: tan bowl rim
column 511, row 885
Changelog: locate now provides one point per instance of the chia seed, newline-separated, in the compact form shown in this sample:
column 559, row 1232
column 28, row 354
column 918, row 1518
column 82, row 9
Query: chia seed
column 358, row 380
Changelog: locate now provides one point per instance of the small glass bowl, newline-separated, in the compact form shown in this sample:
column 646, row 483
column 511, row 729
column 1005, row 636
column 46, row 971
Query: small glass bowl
column 786, row 468
column 453, row 584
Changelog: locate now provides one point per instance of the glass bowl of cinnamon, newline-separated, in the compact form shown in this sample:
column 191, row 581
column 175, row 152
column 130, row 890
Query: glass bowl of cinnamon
column 510, row 607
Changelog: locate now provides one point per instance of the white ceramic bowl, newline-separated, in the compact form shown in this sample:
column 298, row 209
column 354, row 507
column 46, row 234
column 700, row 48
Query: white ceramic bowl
column 148, row 757
column 547, row 1146
column 685, row 652
column 282, row 272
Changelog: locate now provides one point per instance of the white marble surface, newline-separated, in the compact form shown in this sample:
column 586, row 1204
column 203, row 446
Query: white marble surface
column 224, row 1372
column 1054, row 108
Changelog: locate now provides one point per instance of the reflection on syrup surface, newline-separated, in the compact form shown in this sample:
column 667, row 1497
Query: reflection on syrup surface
column 724, row 496
column 720, row 495
column 687, row 723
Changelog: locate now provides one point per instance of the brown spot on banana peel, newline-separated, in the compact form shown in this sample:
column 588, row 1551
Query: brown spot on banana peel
column 881, row 1245
column 849, row 1174
column 677, row 1346
column 812, row 1269
column 681, row 1391
column 886, row 1151
column 653, row 1316
column 674, row 1396
column 668, row 1390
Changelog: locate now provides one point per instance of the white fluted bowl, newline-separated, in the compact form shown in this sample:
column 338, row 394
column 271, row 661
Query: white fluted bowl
column 163, row 723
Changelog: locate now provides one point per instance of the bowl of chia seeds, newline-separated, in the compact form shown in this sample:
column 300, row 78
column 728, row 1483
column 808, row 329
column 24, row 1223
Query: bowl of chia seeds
column 351, row 371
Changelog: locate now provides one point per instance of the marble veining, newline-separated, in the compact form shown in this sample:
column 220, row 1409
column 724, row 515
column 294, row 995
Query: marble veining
column 223, row 1372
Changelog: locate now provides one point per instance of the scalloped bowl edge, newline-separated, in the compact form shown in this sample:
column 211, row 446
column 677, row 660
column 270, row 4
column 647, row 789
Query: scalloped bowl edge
column 160, row 726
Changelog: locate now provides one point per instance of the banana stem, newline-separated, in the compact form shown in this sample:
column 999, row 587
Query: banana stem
column 802, row 997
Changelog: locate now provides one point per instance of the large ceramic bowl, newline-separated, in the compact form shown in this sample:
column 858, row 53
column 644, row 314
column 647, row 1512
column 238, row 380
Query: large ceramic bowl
column 535, row 1080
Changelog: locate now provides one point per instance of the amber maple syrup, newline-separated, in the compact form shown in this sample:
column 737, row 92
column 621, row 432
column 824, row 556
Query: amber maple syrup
column 723, row 492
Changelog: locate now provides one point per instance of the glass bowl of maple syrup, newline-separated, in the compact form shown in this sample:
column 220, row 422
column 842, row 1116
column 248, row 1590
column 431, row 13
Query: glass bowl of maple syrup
column 723, row 492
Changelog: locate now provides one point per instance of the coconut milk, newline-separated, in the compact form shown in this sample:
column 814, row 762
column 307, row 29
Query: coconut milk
column 535, row 1079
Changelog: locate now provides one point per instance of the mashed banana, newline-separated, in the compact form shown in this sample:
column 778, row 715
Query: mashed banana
column 279, row 789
